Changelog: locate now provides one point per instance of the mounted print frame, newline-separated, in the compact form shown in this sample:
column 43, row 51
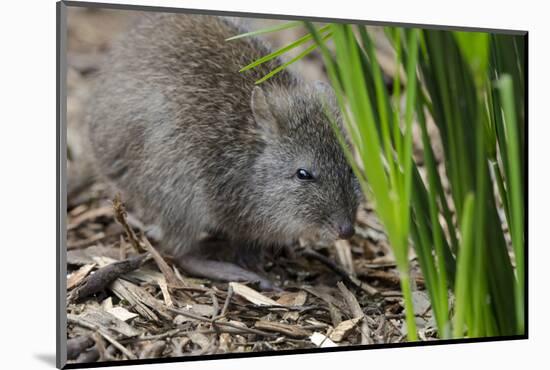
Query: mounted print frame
column 235, row 184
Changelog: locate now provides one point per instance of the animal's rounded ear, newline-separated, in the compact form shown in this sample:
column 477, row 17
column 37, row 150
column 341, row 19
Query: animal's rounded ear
column 261, row 109
column 326, row 94
column 325, row 90
column 322, row 86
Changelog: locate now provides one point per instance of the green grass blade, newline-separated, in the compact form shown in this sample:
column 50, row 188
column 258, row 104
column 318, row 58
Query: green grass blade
column 279, row 27
column 410, row 104
column 437, row 233
column 464, row 261
column 396, row 94
column 515, row 190
column 291, row 61
column 475, row 48
column 383, row 103
column 285, row 49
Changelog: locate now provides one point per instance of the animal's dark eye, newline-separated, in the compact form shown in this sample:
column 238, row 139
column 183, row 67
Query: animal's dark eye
column 304, row 175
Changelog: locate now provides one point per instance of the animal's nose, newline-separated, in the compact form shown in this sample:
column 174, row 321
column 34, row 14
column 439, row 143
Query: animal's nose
column 346, row 231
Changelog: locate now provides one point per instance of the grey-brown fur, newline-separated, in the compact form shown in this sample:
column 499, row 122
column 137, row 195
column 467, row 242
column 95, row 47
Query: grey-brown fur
column 190, row 140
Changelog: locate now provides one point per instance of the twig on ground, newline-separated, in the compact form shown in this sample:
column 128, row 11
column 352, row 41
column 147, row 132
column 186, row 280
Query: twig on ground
column 227, row 300
column 215, row 304
column 216, row 322
column 171, row 279
column 120, row 217
column 168, row 334
column 292, row 331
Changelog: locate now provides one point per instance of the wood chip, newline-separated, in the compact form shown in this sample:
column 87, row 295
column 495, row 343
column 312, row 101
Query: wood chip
column 147, row 299
column 78, row 276
column 252, row 296
column 110, row 322
column 293, row 298
column 321, row 340
column 121, row 313
column 165, row 293
column 107, row 304
column 344, row 329
column 343, row 254
column 134, row 296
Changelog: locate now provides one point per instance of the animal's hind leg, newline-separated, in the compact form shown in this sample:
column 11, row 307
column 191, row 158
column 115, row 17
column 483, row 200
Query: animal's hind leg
column 221, row 270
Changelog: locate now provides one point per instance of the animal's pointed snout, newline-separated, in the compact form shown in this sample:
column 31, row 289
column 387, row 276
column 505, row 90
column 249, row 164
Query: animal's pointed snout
column 346, row 230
